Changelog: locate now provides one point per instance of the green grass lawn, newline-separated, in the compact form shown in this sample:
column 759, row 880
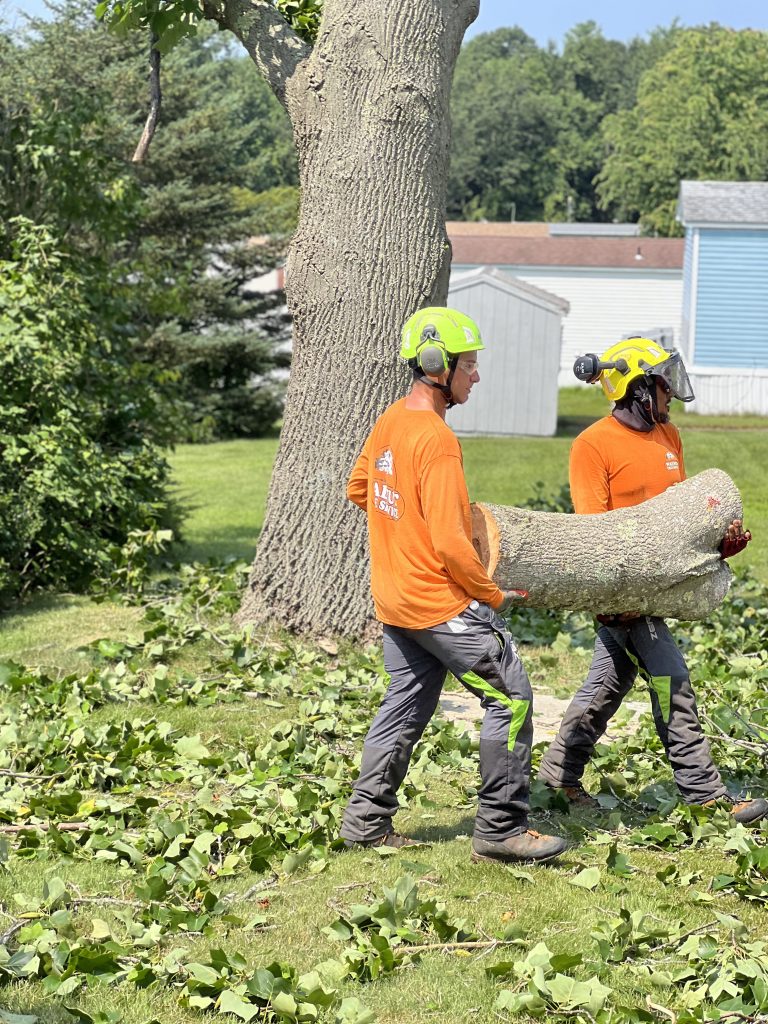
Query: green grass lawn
column 256, row 721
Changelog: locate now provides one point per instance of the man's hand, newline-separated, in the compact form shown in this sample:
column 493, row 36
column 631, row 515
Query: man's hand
column 735, row 539
column 511, row 597
column 621, row 619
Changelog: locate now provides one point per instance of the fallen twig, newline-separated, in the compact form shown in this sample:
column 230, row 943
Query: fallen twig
column 44, row 826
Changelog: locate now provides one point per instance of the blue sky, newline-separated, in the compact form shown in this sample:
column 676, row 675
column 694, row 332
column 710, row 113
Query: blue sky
column 551, row 19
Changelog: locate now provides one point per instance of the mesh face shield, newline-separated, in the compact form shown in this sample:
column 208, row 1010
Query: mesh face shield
column 672, row 371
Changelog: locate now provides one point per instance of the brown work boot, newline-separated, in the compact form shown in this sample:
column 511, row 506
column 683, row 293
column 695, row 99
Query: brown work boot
column 577, row 796
column 746, row 812
column 527, row 846
column 392, row 839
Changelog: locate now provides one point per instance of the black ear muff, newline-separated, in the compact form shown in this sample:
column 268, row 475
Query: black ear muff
column 588, row 368
column 431, row 354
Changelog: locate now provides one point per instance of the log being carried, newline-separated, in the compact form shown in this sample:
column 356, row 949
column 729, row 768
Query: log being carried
column 660, row 558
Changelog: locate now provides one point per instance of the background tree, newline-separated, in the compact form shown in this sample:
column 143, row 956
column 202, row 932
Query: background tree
column 369, row 108
column 188, row 252
column 505, row 125
column 701, row 113
column 593, row 78
column 527, row 121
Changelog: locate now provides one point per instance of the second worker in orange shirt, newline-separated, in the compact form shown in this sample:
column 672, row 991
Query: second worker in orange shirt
column 438, row 606
column 625, row 458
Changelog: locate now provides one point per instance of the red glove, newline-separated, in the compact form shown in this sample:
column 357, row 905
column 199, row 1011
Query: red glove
column 620, row 619
column 730, row 546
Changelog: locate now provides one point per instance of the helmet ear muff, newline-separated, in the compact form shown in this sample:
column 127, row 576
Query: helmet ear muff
column 431, row 355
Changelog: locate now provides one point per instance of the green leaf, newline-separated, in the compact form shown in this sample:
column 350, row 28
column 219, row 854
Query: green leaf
column 569, row 994
column 589, row 878
column 521, row 1002
column 352, row 1011
column 203, row 973
column 283, row 1002
column 229, row 1002
column 618, row 863
column 190, row 748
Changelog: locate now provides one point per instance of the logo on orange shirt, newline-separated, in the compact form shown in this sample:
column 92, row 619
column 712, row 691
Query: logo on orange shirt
column 385, row 462
column 672, row 462
column 386, row 498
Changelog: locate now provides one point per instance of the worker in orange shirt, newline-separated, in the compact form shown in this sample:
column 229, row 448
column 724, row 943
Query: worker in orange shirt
column 439, row 608
column 621, row 460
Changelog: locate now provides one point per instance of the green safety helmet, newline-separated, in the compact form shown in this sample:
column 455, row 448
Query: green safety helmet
column 433, row 336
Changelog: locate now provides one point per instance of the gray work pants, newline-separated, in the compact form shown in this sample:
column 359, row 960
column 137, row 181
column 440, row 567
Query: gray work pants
column 477, row 648
column 643, row 646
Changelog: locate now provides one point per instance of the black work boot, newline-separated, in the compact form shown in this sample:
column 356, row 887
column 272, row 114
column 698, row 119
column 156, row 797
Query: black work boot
column 528, row 846
column 392, row 839
column 746, row 812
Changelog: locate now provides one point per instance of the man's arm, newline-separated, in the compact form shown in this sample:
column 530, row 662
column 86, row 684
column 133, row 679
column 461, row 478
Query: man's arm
column 357, row 485
column 445, row 505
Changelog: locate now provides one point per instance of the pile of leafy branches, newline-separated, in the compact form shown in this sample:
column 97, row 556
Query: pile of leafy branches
column 190, row 825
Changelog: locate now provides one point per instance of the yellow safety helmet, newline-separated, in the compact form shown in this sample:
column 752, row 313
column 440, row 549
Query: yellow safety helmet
column 629, row 359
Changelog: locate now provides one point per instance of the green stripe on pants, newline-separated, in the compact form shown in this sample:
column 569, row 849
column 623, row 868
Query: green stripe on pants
column 519, row 708
column 661, row 686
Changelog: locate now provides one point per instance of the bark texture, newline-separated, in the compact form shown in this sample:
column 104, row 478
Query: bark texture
column 657, row 558
column 369, row 106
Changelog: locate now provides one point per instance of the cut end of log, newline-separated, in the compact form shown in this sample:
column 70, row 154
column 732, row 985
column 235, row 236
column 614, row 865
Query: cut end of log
column 485, row 537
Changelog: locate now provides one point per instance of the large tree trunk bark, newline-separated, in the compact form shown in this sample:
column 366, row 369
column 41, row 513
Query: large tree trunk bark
column 370, row 109
column 657, row 558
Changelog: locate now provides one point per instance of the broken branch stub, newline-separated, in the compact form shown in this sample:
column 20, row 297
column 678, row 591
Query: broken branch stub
column 657, row 558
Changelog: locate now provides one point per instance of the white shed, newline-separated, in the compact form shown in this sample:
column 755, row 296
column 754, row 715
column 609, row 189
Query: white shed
column 521, row 326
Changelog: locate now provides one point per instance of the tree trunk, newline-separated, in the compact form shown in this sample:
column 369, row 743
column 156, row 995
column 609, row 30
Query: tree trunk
column 657, row 558
column 369, row 107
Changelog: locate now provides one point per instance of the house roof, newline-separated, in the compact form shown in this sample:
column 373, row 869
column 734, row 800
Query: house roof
column 498, row 229
column 723, row 202
column 565, row 251
column 538, row 229
column 512, row 285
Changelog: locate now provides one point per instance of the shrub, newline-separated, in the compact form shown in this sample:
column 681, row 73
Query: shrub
column 81, row 423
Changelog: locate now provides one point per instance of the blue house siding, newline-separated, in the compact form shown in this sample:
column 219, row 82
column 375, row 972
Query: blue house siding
column 731, row 316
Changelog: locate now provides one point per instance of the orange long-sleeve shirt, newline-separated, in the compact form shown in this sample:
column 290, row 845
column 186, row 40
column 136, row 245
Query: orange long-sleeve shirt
column 613, row 466
column 409, row 479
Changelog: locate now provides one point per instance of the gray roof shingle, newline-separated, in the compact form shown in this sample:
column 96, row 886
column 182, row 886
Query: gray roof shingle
column 723, row 202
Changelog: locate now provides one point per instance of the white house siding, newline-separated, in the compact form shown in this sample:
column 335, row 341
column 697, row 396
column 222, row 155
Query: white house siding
column 690, row 281
column 606, row 304
column 725, row 390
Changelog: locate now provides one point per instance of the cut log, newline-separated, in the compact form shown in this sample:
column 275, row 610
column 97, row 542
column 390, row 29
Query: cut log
column 657, row 558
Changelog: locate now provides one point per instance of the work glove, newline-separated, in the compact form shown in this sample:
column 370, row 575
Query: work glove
column 511, row 597
column 620, row 619
column 735, row 540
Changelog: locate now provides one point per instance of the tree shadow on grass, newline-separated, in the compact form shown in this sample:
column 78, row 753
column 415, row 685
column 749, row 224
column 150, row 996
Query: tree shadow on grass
column 224, row 544
column 572, row 426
